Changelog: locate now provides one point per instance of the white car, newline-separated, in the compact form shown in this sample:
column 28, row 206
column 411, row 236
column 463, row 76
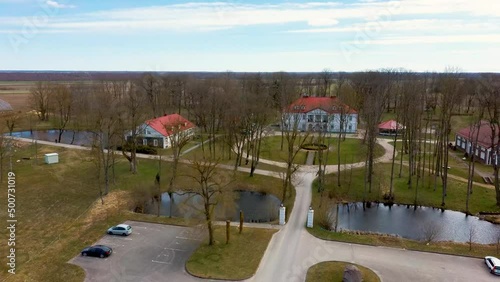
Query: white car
column 120, row 229
column 493, row 264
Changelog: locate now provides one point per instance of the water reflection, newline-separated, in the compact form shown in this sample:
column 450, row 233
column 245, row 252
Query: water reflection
column 257, row 207
column 68, row 137
column 417, row 224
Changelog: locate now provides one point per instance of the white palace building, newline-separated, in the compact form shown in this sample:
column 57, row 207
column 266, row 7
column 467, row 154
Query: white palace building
column 320, row 114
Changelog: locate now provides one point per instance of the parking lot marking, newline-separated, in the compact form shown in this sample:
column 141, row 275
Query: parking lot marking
column 186, row 238
column 160, row 261
column 179, row 250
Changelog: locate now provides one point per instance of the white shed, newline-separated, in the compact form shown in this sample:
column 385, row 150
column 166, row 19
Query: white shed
column 51, row 158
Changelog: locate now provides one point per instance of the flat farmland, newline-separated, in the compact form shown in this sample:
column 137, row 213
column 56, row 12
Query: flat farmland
column 16, row 93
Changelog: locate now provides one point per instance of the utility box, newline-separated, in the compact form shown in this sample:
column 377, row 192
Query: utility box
column 282, row 215
column 52, row 158
column 310, row 218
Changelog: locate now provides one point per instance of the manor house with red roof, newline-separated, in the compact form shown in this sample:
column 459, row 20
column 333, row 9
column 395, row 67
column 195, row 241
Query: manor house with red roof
column 323, row 114
column 158, row 132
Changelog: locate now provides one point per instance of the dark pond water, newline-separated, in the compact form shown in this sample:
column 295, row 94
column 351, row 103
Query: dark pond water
column 68, row 137
column 257, row 207
column 417, row 224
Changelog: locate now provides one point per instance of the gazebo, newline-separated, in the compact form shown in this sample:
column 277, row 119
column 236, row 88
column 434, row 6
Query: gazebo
column 390, row 127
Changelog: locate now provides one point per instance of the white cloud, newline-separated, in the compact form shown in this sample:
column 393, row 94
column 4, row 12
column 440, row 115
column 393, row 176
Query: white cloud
column 321, row 17
column 404, row 40
column 434, row 25
column 58, row 5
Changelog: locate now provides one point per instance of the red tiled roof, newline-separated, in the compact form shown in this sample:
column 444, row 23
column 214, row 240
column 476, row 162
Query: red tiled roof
column 390, row 125
column 164, row 124
column 485, row 133
column 327, row 104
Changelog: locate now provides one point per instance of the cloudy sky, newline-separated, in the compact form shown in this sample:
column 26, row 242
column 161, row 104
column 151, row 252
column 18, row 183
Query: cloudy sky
column 348, row 35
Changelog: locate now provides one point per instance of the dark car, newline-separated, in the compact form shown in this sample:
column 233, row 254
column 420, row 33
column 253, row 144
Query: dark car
column 97, row 251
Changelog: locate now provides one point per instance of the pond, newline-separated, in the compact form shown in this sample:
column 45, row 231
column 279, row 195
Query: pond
column 257, row 207
column 416, row 224
column 68, row 137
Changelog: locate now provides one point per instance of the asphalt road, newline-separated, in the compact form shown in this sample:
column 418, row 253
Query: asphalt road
column 293, row 250
column 153, row 252
column 159, row 253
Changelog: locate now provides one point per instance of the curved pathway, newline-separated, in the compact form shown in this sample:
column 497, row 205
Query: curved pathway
column 293, row 250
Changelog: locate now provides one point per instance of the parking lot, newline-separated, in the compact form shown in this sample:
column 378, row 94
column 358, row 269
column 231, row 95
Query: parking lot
column 153, row 252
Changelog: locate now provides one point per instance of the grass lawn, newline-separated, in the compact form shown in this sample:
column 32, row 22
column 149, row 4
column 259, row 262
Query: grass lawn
column 227, row 157
column 351, row 150
column 59, row 212
column 271, row 150
column 334, row 271
column 482, row 199
column 478, row 250
column 235, row 261
column 458, row 167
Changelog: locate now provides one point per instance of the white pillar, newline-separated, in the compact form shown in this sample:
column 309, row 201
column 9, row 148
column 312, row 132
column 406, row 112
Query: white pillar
column 282, row 215
column 310, row 218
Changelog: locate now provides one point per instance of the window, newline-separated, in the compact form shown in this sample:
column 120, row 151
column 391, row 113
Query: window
column 155, row 143
column 145, row 142
column 325, row 118
column 350, row 127
column 318, row 118
column 148, row 132
column 310, row 118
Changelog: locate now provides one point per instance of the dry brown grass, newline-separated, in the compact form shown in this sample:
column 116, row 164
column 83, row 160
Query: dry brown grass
column 115, row 201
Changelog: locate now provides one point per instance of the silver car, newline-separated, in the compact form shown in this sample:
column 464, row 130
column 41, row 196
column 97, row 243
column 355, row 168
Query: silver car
column 493, row 264
column 120, row 229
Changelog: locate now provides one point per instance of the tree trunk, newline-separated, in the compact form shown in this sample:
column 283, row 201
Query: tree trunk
column 208, row 217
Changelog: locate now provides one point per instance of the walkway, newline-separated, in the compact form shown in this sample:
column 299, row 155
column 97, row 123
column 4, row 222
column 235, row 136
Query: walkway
column 293, row 250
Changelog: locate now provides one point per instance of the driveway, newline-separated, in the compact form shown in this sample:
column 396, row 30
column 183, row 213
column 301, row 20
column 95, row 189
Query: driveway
column 153, row 252
column 293, row 250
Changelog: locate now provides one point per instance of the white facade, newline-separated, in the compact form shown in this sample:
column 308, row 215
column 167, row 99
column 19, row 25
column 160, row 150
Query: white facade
column 486, row 155
column 320, row 120
column 148, row 136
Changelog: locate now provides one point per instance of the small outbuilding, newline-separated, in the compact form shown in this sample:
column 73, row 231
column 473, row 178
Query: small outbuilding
column 390, row 127
column 52, row 158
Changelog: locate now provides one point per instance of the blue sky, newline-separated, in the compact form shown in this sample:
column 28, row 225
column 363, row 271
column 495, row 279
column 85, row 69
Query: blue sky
column 353, row 35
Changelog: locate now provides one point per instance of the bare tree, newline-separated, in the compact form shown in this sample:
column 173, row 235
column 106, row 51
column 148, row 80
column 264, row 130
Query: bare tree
column 491, row 104
column 257, row 117
column 107, row 135
column 372, row 89
column 449, row 90
column 62, row 104
column 39, row 99
column 294, row 140
column 132, row 114
column 210, row 187
column 471, row 234
column 11, row 120
column 150, row 86
column 325, row 81
column 475, row 129
column 178, row 138
column 431, row 231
